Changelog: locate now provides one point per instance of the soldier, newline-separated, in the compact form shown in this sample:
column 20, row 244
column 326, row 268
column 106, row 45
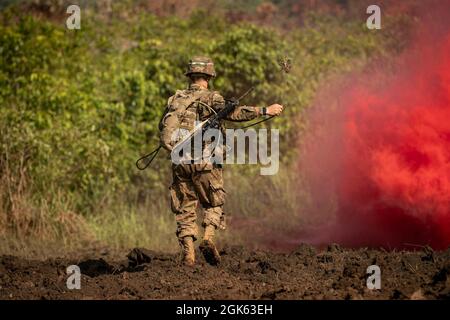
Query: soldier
column 199, row 182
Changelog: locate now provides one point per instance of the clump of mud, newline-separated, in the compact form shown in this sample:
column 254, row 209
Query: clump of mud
column 304, row 273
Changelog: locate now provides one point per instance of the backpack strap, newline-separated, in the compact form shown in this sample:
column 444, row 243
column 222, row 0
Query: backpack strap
column 197, row 95
column 169, row 122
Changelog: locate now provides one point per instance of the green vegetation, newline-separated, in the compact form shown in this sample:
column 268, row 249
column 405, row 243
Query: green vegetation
column 78, row 107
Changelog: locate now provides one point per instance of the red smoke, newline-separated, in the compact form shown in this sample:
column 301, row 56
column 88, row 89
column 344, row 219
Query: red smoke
column 381, row 156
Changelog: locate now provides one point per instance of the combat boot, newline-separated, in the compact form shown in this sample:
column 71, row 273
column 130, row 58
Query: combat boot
column 208, row 248
column 188, row 251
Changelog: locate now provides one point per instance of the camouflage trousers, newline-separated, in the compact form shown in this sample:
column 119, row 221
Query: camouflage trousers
column 194, row 184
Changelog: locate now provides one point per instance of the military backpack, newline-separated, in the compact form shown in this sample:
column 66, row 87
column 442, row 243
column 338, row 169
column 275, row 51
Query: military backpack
column 179, row 117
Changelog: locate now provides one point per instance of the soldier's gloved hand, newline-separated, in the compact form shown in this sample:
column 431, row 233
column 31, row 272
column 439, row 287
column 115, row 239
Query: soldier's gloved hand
column 274, row 109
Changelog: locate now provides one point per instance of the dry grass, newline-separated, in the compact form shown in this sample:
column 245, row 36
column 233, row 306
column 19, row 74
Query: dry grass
column 257, row 206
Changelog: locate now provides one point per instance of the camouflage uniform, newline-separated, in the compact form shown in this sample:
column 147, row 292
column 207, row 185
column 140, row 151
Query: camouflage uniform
column 194, row 183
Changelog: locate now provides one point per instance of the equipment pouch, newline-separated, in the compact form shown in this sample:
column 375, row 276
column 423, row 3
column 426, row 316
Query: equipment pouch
column 216, row 194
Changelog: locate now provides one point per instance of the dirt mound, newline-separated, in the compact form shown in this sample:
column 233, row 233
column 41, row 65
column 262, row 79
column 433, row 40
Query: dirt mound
column 305, row 273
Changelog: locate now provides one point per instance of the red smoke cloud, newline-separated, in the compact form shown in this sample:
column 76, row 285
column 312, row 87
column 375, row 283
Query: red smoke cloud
column 381, row 156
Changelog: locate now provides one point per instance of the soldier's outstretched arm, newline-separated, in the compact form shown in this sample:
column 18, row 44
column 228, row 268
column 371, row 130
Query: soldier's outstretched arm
column 246, row 113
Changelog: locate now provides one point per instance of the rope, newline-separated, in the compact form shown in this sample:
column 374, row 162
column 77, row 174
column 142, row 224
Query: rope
column 152, row 154
column 257, row 122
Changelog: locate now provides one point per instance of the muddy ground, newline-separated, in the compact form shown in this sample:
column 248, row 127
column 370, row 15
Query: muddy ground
column 305, row 273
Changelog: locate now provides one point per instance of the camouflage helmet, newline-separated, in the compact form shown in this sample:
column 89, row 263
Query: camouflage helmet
column 201, row 65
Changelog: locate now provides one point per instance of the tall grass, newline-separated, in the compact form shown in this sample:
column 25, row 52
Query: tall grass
column 150, row 225
column 254, row 206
